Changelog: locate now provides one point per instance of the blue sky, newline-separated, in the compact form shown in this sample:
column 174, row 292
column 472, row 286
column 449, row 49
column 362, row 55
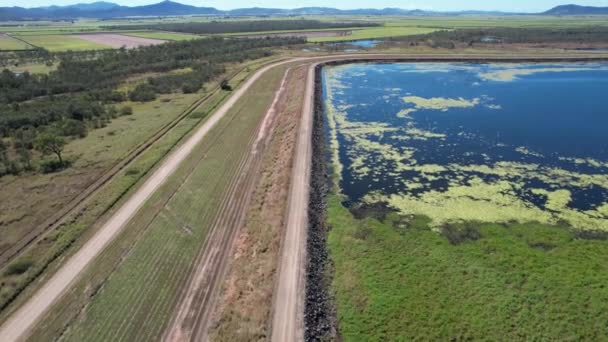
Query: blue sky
column 451, row 5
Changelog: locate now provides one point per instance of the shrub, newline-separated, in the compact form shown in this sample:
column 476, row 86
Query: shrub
column 458, row 233
column 126, row 110
column 19, row 267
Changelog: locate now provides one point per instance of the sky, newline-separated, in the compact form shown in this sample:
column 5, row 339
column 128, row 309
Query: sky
column 438, row 5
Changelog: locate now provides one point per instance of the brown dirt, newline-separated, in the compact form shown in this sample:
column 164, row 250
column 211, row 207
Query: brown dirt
column 118, row 40
column 244, row 308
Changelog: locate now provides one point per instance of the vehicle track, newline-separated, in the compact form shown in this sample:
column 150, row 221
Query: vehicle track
column 287, row 321
column 20, row 322
column 190, row 322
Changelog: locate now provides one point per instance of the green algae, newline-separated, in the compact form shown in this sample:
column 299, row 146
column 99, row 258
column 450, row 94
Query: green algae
column 468, row 197
column 512, row 74
column 441, row 103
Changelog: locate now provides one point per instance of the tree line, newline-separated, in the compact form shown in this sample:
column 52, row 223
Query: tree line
column 41, row 112
column 215, row 27
column 511, row 35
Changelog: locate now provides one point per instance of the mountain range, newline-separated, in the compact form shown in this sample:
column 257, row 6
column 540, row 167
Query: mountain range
column 104, row 9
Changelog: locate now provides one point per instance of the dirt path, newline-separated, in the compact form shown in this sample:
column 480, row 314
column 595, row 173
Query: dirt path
column 191, row 319
column 19, row 323
column 287, row 322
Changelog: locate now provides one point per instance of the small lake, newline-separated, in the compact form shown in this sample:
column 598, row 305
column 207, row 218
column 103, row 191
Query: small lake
column 482, row 142
column 365, row 44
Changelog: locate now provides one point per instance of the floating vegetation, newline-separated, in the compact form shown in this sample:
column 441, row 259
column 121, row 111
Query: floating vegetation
column 440, row 103
column 466, row 167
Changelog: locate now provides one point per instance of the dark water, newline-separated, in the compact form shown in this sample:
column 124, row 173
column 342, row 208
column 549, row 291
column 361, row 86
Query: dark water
column 550, row 115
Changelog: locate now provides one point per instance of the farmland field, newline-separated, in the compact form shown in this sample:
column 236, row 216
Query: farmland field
column 61, row 42
column 8, row 43
column 118, row 40
column 175, row 36
column 474, row 196
column 375, row 32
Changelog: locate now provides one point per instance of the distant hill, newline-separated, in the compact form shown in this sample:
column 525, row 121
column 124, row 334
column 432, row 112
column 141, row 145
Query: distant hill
column 577, row 10
column 103, row 10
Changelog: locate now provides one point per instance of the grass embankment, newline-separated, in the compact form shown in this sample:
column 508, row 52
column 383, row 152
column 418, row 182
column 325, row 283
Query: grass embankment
column 400, row 281
column 131, row 289
column 243, row 312
column 93, row 155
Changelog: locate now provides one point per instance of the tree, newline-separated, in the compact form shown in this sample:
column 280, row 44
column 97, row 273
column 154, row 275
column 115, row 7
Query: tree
column 48, row 143
column 225, row 86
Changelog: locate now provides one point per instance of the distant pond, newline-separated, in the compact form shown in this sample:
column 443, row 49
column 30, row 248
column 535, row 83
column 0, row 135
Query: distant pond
column 483, row 142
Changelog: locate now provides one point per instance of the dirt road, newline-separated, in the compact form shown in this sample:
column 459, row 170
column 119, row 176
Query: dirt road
column 191, row 318
column 17, row 326
column 287, row 322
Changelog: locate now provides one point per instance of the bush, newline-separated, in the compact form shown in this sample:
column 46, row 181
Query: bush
column 53, row 165
column 458, row 233
column 19, row 267
column 126, row 110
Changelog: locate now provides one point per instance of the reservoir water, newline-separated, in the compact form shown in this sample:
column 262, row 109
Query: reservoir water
column 480, row 142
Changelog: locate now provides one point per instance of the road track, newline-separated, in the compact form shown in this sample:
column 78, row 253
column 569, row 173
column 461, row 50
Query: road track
column 287, row 321
column 191, row 318
column 18, row 325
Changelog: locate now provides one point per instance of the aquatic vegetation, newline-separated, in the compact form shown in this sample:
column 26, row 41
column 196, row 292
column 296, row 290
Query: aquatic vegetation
column 387, row 158
column 491, row 205
column 441, row 103
column 512, row 74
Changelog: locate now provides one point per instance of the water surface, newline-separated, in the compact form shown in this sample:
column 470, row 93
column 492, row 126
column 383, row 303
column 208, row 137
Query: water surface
column 488, row 142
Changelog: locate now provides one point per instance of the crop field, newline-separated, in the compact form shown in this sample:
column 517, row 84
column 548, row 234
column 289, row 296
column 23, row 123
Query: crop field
column 163, row 239
column 8, row 43
column 118, row 40
column 174, row 36
column 61, row 42
column 375, row 32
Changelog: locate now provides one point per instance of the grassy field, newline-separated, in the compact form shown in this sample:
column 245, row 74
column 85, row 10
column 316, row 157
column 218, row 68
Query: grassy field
column 164, row 35
column 163, row 239
column 61, row 42
column 93, row 155
column 376, row 32
column 37, row 68
column 398, row 280
column 8, row 43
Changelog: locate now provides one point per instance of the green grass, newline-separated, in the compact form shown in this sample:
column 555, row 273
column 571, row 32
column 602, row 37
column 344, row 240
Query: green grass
column 395, row 282
column 164, row 35
column 162, row 240
column 61, row 43
column 102, row 147
column 37, row 68
column 376, row 32
column 8, row 43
